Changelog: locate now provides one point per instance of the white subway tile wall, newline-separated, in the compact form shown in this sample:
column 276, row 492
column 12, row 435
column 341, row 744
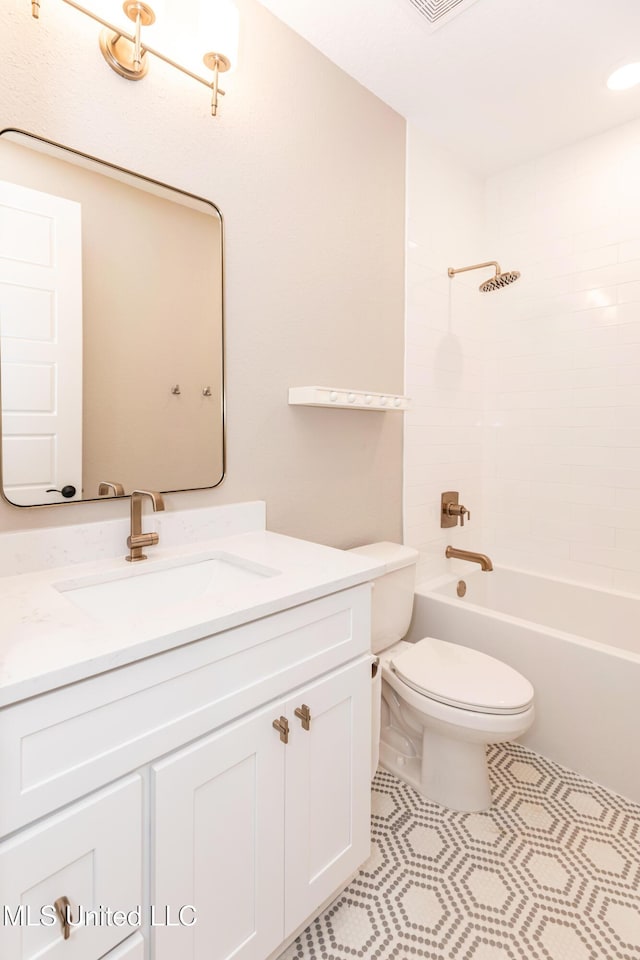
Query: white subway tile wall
column 527, row 400
column 562, row 371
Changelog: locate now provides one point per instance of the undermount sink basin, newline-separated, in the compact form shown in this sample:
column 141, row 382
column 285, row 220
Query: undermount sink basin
column 168, row 584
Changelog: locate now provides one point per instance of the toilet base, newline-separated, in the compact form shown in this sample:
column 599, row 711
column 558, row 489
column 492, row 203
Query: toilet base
column 461, row 785
column 454, row 773
column 403, row 767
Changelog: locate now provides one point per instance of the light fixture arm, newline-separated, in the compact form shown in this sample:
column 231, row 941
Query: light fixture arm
column 214, row 61
column 219, row 64
column 215, row 89
column 137, row 46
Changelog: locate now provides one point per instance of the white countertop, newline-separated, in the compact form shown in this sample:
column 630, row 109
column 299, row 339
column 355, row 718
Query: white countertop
column 47, row 642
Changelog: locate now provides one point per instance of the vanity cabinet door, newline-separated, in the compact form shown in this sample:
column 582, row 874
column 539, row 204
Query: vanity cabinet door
column 219, row 837
column 328, row 789
column 90, row 853
column 131, row 949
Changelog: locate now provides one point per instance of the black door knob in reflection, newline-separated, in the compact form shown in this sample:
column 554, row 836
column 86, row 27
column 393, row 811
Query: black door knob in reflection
column 67, row 492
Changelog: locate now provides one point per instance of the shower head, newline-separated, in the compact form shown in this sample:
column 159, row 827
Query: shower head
column 500, row 280
column 496, row 282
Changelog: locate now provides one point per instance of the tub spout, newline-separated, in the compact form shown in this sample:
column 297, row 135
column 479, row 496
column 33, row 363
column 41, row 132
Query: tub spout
column 451, row 553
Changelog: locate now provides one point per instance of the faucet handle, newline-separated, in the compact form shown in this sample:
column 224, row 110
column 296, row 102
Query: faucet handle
column 458, row 510
column 157, row 500
column 105, row 486
column 452, row 511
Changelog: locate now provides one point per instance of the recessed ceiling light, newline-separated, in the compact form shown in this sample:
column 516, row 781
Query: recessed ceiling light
column 625, row 77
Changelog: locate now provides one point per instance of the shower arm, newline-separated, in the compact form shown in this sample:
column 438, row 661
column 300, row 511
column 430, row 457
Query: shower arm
column 476, row 266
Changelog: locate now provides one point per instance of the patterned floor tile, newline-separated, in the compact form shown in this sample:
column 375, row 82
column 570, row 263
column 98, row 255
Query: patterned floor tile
column 550, row 872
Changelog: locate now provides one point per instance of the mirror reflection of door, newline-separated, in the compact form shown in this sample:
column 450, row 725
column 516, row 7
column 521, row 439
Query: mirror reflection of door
column 146, row 314
column 41, row 345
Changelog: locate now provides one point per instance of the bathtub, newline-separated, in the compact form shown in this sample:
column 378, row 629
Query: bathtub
column 579, row 647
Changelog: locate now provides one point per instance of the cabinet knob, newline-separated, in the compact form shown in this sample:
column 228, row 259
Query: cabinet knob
column 282, row 726
column 303, row 713
column 63, row 908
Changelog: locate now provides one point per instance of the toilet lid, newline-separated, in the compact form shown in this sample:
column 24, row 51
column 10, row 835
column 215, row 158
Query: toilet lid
column 462, row 677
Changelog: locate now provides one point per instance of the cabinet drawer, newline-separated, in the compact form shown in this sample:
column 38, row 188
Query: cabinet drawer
column 90, row 853
column 61, row 745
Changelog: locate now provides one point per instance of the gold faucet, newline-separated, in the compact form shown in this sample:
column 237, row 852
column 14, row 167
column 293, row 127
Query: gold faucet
column 137, row 539
column 105, row 486
column 452, row 553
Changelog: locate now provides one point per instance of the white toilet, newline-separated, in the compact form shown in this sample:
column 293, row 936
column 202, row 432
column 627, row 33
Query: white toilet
column 442, row 703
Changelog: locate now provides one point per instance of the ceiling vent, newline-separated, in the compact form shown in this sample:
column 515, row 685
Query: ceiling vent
column 438, row 12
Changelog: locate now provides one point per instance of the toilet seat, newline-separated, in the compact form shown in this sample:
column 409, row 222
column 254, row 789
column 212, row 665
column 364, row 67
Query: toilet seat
column 462, row 677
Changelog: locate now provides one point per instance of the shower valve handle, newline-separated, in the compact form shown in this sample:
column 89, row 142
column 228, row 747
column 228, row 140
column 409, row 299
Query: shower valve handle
column 462, row 513
column 458, row 510
column 452, row 510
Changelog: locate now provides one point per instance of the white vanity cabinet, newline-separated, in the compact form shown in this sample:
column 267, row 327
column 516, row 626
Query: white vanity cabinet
column 163, row 784
column 327, row 789
column 90, row 853
column 131, row 949
column 256, row 833
column 219, row 842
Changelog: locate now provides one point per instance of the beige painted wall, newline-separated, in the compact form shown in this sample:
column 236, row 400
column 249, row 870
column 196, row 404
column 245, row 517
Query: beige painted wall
column 308, row 170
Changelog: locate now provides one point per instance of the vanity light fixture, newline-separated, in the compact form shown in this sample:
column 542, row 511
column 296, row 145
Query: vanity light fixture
column 128, row 53
column 624, row 77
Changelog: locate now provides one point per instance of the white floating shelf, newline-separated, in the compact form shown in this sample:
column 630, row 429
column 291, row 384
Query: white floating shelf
column 347, row 399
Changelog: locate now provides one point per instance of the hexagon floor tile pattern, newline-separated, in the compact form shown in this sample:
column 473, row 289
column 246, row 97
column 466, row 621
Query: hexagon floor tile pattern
column 550, row 872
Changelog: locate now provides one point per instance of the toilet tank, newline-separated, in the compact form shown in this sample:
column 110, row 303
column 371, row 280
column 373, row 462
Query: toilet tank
column 392, row 600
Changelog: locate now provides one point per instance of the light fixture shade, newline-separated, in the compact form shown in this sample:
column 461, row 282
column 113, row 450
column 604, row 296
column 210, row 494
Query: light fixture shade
column 624, row 77
column 112, row 10
column 189, row 29
column 219, row 28
column 109, row 9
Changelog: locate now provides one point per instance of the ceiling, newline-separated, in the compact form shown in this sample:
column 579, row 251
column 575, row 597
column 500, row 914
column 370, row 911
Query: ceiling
column 500, row 83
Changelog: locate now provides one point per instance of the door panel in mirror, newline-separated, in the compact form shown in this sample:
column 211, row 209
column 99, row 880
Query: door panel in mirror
column 97, row 328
